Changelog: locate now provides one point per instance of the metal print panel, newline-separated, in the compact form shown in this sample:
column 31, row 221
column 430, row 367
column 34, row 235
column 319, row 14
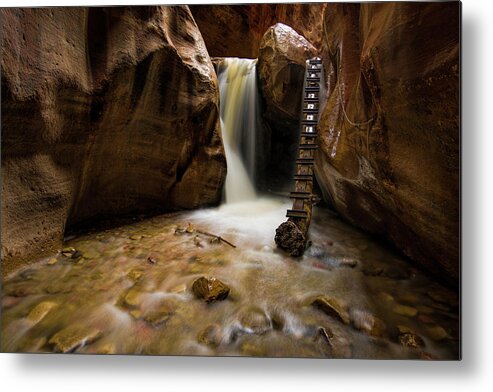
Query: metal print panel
column 269, row 180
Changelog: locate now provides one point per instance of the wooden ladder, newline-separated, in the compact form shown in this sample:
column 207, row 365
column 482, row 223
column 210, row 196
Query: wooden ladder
column 303, row 177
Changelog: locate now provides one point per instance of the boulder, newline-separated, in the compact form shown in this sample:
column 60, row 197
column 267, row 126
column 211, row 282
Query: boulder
column 389, row 134
column 210, row 289
column 290, row 239
column 105, row 112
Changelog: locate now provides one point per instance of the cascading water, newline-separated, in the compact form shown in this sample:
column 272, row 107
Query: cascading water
column 239, row 124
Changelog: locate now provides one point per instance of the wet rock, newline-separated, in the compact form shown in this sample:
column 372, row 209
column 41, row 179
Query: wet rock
column 407, row 337
column 347, row 262
column 404, row 310
column 425, row 309
column 368, row 323
column 425, row 319
column 135, row 274
column 160, row 314
column 255, row 321
column 73, row 337
column 68, row 251
column 135, row 237
column 372, row 270
column 211, row 335
column 437, row 333
column 133, row 297
column 40, row 311
column 151, row 260
column 52, row 261
column 331, row 307
column 252, row 350
column 411, row 340
column 385, row 297
column 290, row 239
column 76, row 255
column 409, row 298
column 210, row 289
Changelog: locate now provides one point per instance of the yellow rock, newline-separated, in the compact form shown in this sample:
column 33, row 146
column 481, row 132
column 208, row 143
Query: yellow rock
column 52, row 261
column 40, row 311
column 404, row 310
column 437, row 333
column 72, row 337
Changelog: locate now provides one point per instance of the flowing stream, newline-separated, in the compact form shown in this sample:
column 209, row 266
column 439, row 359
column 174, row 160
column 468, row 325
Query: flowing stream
column 127, row 290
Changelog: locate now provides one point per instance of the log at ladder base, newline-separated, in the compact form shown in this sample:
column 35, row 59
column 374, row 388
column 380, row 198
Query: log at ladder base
column 291, row 236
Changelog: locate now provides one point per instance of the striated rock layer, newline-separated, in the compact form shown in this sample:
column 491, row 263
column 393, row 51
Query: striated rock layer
column 236, row 30
column 389, row 158
column 105, row 111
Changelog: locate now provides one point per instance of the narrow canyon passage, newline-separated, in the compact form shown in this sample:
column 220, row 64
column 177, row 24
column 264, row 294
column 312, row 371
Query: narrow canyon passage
column 129, row 289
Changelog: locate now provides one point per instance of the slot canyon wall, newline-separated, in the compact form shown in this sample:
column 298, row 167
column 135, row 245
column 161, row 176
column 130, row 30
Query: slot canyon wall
column 389, row 160
column 105, row 111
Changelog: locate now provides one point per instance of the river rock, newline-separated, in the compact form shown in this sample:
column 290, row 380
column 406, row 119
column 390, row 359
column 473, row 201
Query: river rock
column 437, row 333
column 404, row 310
column 255, row 321
column 39, row 312
column 388, row 160
column 161, row 313
column 407, row 337
column 122, row 103
column 210, row 289
column 368, row 323
column 73, row 337
column 211, row 335
column 332, row 307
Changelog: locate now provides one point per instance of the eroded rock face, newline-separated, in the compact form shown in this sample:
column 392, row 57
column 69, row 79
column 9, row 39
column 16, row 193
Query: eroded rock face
column 236, row 30
column 281, row 69
column 105, row 111
column 389, row 157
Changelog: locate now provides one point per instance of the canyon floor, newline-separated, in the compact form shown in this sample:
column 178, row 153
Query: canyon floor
column 127, row 290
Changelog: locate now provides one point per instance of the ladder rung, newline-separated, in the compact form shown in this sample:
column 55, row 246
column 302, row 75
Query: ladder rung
column 300, row 195
column 308, row 146
column 314, row 89
column 309, row 122
column 305, row 161
column 309, row 134
column 303, row 177
column 310, row 111
column 313, row 79
column 315, row 61
column 297, row 214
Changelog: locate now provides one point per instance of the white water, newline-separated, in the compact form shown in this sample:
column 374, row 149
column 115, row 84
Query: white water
column 239, row 118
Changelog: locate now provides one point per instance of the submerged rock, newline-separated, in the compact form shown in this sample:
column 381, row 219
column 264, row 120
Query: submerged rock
column 407, row 337
column 368, row 323
column 40, row 311
column 332, row 307
column 254, row 320
column 211, row 335
column 73, row 337
column 437, row 333
column 210, row 289
column 404, row 310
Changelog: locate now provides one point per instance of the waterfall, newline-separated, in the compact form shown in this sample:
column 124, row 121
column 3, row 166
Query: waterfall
column 239, row 124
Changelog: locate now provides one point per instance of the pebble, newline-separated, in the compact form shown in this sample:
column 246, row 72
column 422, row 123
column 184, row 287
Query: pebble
column 40, row 311
column 405, row 310
column 73, row 337
column 52, row 261
column 437, row 333
column 331, row 307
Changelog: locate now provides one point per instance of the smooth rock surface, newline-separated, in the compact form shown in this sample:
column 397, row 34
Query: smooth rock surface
column 118, row 109
column 389, row 134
